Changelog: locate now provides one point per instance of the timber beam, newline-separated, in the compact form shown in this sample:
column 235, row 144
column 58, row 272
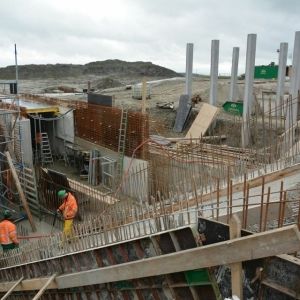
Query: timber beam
column 259, row 245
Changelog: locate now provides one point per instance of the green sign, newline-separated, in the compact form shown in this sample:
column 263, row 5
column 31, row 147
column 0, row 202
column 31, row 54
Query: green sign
column 266, row 72
column 235, row 108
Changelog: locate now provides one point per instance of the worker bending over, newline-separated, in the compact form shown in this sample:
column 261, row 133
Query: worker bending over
column 8, row 233
column 69, row 210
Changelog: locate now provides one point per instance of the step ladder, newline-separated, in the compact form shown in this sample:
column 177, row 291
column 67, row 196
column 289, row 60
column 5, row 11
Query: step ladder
column 46, row 154
column 121, row 144
column 294, row 206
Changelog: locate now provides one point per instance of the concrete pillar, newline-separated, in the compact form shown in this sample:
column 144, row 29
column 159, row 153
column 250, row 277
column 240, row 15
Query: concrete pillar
column 249, row 78
column 283, row 51
column 214, row 69
column 189, row 70
column 291, row 116
column 234, row 73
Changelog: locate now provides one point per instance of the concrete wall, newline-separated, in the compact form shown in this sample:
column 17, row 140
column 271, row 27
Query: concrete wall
column 135, row 185
column 65, row 126
column 64, row 131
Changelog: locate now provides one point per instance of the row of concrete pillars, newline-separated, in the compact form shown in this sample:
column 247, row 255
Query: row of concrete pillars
column 249, row 77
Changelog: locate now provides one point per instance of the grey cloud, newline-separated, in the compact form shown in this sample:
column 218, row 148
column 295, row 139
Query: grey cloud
column 50, row 31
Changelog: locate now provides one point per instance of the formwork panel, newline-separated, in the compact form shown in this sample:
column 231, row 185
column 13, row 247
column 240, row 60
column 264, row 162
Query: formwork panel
column 101, row 125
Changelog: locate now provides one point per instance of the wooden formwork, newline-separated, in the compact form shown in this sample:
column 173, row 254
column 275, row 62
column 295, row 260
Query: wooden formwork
column 179, row 263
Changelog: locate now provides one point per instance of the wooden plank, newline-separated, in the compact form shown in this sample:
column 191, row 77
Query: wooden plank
column 275, row 286
column 44, row 287
column 28, row 285
column 270, row 243
column 290, row 258
column 203, row 120
column 53, row 109
column 236, row 268
column 82, row 188
column 283, row 272
column 12, row 289
column 20, row 190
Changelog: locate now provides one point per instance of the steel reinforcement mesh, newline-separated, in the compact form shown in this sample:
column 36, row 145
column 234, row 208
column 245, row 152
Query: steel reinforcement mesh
column 101, row 125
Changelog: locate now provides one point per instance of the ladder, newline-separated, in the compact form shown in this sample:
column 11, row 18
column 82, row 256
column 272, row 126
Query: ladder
column 121, row 144
column 7, row 137
column 122, row 132
column 46, row 154
column 294, row 206
column 29, row 186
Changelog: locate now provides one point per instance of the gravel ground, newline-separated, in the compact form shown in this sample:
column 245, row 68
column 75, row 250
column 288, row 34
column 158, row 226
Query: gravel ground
column 161, row 120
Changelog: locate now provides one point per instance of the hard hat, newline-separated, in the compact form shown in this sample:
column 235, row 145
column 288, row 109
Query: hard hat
column 62, row 194
column 7, row 214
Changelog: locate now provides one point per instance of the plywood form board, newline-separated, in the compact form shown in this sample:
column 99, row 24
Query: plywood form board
column 205, row 117
column 283, row 271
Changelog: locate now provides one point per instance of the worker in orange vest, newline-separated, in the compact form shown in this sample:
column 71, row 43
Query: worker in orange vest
column 69, row 210
column 8, row 233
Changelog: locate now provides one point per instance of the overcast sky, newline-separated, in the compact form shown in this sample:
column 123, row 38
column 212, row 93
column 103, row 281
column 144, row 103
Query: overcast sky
column 77, row 31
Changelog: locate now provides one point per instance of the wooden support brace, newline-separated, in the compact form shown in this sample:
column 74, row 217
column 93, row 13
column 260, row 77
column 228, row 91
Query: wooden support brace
column 44, row 287
column 265, row 244
column 20, row 190
column 259, row 245
column 12, row 289
column 236, row 268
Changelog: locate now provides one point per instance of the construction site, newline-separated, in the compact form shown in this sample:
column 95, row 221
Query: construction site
column 199, row 200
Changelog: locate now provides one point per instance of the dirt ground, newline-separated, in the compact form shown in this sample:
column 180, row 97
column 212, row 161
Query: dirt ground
column 161, row 91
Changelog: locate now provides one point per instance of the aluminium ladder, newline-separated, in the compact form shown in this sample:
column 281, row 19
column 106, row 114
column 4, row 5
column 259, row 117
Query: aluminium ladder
column 121, row 144
column 46, row 154
column 29, row 186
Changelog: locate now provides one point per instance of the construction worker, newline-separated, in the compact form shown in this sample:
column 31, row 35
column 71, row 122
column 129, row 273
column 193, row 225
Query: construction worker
column 69, row 210
column 8, row 233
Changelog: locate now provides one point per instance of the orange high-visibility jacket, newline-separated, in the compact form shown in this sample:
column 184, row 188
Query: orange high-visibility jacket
column 69, row 207
column 8, row 233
